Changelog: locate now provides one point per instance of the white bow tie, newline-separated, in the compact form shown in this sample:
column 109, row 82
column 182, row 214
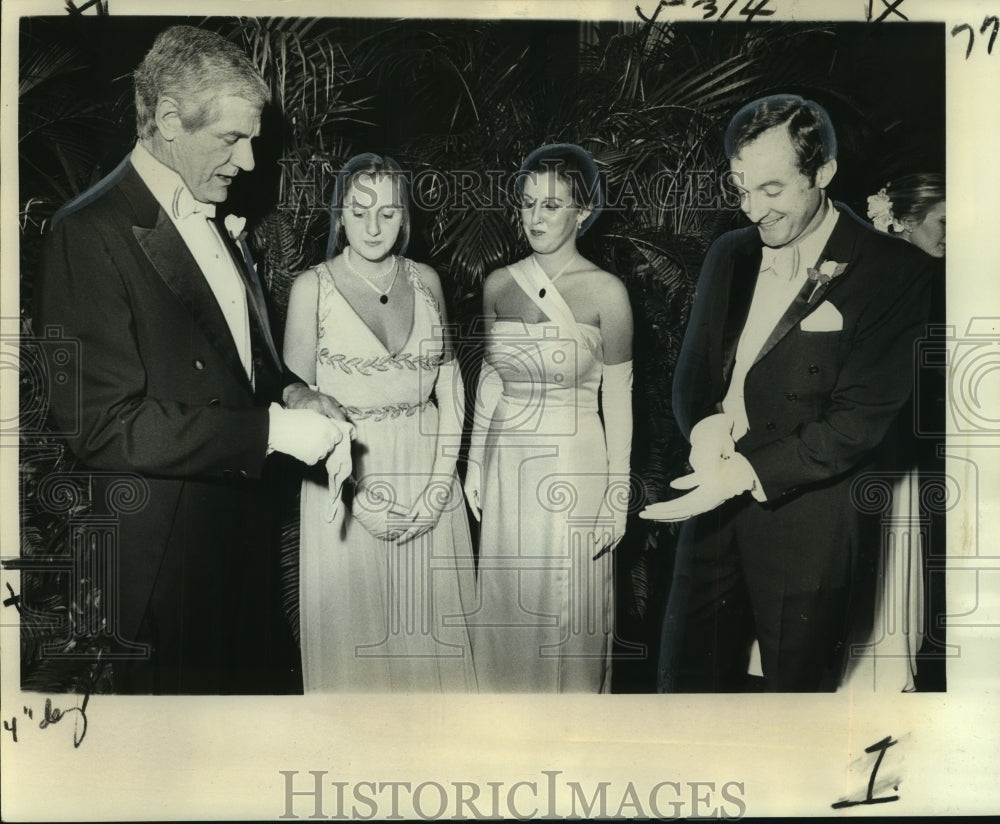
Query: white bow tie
column 184, row 205
column 783, row 262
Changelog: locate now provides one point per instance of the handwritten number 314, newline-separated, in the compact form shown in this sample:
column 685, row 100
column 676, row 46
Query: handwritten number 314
column 987, row 22
column 712, row 9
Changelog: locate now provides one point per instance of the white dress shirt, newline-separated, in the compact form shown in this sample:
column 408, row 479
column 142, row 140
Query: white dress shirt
column 783, row 272
column 193, row 221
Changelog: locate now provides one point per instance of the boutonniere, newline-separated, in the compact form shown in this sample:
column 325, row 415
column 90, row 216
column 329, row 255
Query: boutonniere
column 235, row 225
column 824, row 273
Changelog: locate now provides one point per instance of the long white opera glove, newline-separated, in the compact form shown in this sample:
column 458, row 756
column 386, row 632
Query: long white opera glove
column 304, row 433
column 616, row 400
column 488, row 394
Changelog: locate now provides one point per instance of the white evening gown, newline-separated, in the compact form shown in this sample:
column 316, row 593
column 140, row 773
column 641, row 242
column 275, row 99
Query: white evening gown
column 545, row 616
column 377, row 616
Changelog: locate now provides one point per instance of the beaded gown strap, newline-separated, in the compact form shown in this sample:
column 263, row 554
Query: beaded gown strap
column 421, row 288
column 325, row 285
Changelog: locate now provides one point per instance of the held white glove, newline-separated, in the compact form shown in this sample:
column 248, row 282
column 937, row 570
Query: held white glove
column 338, row 470
column 709, row 488
column 488, row 394
column 616, row 400
column 711, row 442
column 303, row 433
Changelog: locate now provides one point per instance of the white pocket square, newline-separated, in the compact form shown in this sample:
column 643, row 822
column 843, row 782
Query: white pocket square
column 825, row 318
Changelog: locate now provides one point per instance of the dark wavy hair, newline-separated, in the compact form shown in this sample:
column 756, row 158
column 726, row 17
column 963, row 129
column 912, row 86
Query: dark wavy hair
column 371, row 165
column 573, row 165
column 809, row 128
column 195, row 67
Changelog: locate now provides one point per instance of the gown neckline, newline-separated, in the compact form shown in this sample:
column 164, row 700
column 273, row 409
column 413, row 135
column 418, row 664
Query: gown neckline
column 364, row 323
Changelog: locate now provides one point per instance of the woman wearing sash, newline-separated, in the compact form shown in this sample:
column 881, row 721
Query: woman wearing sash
column 550, row 481
column 385, row 564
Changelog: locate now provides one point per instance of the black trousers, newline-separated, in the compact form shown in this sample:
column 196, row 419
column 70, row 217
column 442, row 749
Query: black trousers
column 780, row 574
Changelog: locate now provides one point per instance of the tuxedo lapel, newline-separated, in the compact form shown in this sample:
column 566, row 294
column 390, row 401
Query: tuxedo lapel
column 255, row 295
column 174, row 263
column 746, row 269
column 840, row 248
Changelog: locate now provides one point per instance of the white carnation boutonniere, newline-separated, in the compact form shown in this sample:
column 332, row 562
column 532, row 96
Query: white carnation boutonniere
column 825, row 272
column 236, row 225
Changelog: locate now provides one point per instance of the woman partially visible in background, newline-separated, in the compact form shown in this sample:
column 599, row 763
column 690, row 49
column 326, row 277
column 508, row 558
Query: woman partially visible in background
column 905, row 652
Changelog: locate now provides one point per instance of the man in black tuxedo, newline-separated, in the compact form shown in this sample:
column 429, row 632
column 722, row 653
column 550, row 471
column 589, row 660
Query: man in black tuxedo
column 797, row 357
column 179, row 379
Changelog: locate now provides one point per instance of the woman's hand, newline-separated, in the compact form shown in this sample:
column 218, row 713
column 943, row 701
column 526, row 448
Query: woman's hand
column 426, row 512
column 372, row 510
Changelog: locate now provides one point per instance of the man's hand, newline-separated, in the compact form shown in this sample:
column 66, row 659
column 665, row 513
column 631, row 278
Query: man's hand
column 301, row 396
column 710, row 488
column 304, row 433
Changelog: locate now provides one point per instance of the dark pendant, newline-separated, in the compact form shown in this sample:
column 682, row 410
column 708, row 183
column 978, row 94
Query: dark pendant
column 541, row 293
column 384, row 299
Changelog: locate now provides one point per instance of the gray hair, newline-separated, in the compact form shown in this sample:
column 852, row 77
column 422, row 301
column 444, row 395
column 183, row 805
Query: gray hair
column 195, row 67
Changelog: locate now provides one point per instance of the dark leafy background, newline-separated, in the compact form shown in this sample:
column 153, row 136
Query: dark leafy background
column 643, row 97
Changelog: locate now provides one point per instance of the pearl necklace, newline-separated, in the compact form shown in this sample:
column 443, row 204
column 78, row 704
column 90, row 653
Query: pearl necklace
column 555, row 277
column 383, row 295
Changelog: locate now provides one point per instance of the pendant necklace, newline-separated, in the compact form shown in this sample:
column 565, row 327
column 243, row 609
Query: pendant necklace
column 383, row 295
column 543, row 290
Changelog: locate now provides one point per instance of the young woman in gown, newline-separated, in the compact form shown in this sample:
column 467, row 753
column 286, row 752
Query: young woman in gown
column 908, row 599
column 386, row 567
column 551, row 482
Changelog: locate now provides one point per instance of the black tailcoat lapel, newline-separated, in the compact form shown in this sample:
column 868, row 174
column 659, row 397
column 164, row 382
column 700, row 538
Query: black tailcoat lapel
column 840, row 247
column 170, row 257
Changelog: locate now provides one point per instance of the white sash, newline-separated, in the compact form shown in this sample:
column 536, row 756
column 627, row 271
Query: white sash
column 529, row 275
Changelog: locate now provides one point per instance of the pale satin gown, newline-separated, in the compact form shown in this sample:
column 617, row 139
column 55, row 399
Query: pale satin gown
column 376, row 615
column 545, row 617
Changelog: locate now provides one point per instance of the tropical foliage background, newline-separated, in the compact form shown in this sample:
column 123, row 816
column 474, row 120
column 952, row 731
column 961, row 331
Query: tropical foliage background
column 646, row 98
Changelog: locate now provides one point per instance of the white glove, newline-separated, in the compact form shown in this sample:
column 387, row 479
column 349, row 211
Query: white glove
column 711, row 442
column 616, row 400
column 487, row 397
column 710, row 488
column 338, row 469
column 303, row 433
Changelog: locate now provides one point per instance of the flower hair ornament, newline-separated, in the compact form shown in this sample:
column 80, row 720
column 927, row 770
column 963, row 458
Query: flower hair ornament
column 880, row 212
